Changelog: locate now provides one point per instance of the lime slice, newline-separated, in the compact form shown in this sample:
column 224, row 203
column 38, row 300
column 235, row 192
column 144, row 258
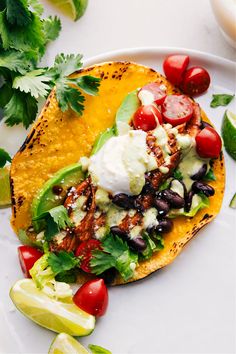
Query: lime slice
column 49, row 313
column 233, row 202
column 5, row 193
column 228, row 130
column 65, row 344
column 72, row 8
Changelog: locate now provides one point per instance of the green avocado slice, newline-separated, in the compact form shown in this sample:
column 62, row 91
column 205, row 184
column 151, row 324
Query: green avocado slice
column 126, row 110
column 54, row 191
column 123, row 117
column 102, row 139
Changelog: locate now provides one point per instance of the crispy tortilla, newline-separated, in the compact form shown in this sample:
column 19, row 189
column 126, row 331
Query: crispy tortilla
column 58, row 139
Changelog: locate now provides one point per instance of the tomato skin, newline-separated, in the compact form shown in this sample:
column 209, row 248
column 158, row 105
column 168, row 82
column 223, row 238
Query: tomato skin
column 92, row 297
column 28, row 256
column 196, row 81
column 147, row 117
column 174, row 67
column 177, row 109
column 156, row 90
column 208, row 143
column 84, row 250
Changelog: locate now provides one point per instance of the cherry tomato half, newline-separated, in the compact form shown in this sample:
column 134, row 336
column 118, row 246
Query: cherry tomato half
column 147, row 117
column 152, row 93
column 85, row 251
column 92, row 297
column 174, row 67
column 208, row 143
column 177, row 109
column 27, row 257
column 196, row 81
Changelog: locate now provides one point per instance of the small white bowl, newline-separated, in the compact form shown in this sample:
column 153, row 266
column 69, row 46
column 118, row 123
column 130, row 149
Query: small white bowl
column 225, row 14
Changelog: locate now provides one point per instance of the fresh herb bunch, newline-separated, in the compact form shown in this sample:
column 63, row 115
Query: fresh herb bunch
column 24, row 36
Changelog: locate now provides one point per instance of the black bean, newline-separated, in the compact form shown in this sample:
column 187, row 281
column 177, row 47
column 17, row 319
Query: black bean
column 138, row 244
column 200, row 174
column 172, row 198
column 109, row 275
column 205, row 125
column 165, row 225
column 188, row 200
column 204, row 188
column 162, row 206
column 123, row 201
column 57, row 190
column 115, row 230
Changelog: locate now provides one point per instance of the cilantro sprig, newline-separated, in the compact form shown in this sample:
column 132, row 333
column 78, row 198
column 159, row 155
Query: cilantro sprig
column 56, row 219
column 4, row 157
column 24, row 36
column 221, row 100
column 116, row 253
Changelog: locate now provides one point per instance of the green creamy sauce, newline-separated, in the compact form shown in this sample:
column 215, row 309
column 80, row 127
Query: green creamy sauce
column 191, row 164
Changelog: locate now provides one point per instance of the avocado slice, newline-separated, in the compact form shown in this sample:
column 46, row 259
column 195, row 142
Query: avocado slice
column 123, row 116
column 54, row 191
column 102, row 139
column 126, row 111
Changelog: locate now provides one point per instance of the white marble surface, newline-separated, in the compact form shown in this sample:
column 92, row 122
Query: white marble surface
column 115, row 24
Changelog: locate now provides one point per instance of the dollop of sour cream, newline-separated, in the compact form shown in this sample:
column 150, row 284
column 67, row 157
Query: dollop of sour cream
column 120, row 165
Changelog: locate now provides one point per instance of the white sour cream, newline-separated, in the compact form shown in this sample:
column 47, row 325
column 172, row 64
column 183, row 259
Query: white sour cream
column 120, row 165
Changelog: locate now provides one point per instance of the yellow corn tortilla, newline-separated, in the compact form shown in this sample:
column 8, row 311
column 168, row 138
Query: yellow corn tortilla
column 58, row 139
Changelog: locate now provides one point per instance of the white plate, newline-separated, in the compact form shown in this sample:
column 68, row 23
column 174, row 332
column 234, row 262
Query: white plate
column 187, row 307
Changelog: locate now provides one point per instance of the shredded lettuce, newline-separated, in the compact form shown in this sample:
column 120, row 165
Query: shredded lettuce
column 203, row 203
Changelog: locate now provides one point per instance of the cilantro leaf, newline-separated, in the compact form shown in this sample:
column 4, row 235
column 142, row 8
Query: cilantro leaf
column 56, row 219
column 14, row 37
column 116, row 253
column 18, row 12
column 89, row 84
column 62, row 261
column 69, row 97
column 65, row 65
column 15, row 61
column 221, row 100
column 210, row 176
column 22, row 108
column 33, row 82
column 177, row 175
column 52, row 28
column 36, row 6
column 5, row 94
column 68, row 276
column 96, row 349
column 4, row 157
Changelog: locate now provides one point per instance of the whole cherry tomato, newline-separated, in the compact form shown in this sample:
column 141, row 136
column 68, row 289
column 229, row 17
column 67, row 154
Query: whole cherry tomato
column 84, row 250
column 196, row 81
column 152, row 93
column 147, row 117
column 92, row 297
column 28, row 256
column 208, row 143
column 174, row 67
column 177, row 109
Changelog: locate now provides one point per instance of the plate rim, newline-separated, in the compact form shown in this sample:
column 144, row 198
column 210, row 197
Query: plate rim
column 159, row 50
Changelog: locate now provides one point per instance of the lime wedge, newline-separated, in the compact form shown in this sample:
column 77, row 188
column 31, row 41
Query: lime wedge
column 5, row 193
column 65, row 344
column 233, row 202
column 72, row 8
column 228, row 130
column 49, row 313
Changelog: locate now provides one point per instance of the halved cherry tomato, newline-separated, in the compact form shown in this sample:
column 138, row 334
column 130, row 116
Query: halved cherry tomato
column 28, row 256
column 147, row 117
column 196, row 81
column 208, row 143
column 85, row 251
column 174, row 67
column 92, row 297
column 152, row 93
column 177, row 109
